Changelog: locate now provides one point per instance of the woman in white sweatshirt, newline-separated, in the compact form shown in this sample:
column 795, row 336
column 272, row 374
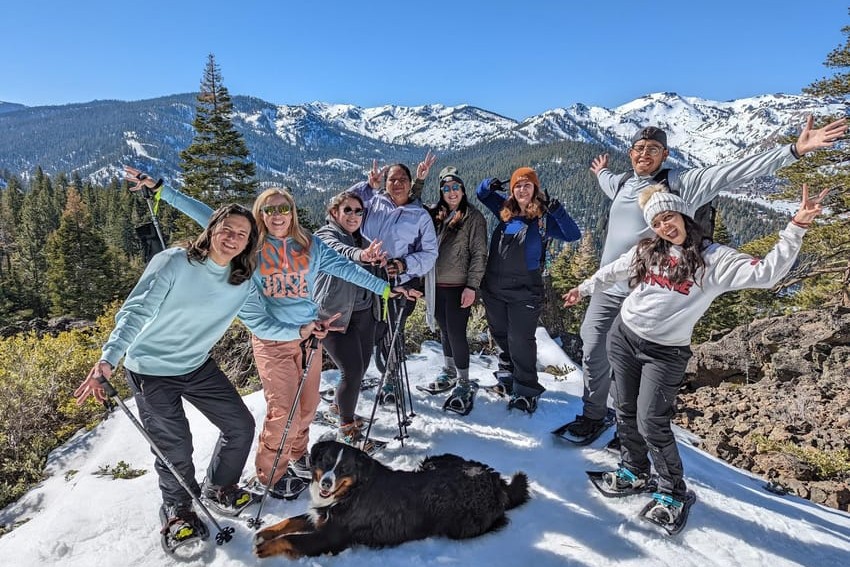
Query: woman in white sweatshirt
column 673, row 276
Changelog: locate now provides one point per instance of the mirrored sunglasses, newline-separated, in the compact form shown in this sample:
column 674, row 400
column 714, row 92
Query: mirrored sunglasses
column 349, row 211
column 448, row 187
column 277, row 209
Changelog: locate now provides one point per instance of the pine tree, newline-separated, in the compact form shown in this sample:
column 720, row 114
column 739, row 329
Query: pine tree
column 825, row 260
column 79, row 272
column 215, row 165
column 721, row 233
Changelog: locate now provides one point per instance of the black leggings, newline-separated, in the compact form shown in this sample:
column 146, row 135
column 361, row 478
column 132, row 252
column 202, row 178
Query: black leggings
column 351, row 352
column 453, row 321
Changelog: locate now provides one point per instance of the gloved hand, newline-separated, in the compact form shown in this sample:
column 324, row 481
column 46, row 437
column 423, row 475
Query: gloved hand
column 495, row 184
column 554, row 205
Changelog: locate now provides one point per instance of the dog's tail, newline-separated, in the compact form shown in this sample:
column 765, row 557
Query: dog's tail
column 517, row 490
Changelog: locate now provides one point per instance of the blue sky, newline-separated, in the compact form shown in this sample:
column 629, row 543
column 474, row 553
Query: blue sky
column 514, row 58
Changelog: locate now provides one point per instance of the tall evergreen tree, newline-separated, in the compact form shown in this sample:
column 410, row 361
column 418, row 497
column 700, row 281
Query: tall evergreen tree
column 79, row 272
column 215, row 166
column 825, row 260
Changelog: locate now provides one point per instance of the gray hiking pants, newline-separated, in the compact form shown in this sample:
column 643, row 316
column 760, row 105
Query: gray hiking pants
column 648, row 377
column 600, row 315
column 160, row 403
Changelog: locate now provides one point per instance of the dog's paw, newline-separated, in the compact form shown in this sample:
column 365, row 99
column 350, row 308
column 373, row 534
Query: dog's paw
column 270, row 548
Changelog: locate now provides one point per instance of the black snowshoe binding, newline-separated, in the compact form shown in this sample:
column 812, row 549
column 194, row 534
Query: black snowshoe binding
column 621, row 482
column 528, row 404
column 461, row 400
column 441, row 383
column 668, row 512
column 182, row 533
column 583, row 431
column 228, row 500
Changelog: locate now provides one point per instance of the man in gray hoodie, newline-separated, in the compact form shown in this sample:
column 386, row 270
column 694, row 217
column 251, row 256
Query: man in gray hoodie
column 697, row 186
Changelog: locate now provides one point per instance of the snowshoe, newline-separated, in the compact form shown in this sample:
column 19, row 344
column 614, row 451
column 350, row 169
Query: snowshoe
column 182, row 533
column 330, row 417
column 461, row 400
column 441, row 383
column 621, row 482
column 583, row 431
column 329, row 394
column 667, row 512
column 776, row 487
column 528, row 404
column 387, row 395
column 498, row 390
column 371, row 447
column 227, row 500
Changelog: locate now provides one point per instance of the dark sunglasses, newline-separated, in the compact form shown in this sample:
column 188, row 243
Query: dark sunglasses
column 349, row 210
column 453, row 187
column 279, row 209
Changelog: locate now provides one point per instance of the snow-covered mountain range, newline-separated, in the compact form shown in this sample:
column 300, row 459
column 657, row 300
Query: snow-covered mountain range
column 315, row 144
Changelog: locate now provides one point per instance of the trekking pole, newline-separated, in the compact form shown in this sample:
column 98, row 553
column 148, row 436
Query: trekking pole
column 313, row 345
column 224, row 534
column 390, row 355
column 147, row 194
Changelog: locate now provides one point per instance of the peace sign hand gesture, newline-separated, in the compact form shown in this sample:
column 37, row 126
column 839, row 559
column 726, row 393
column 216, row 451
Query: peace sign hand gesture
column 809, row 208
column 376, row 175
column 425, row 165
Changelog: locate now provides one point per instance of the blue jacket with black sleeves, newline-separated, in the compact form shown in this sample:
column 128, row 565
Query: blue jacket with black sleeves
column 514, row 268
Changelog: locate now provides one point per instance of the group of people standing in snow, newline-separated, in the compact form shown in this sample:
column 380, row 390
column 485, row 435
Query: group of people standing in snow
column 659, row 274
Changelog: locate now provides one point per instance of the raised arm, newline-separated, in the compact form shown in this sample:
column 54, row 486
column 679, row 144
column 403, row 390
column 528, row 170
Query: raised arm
column 196, row 210
column 488, row 194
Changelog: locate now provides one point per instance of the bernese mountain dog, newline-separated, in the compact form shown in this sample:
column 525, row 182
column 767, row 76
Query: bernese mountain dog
column 355, row 500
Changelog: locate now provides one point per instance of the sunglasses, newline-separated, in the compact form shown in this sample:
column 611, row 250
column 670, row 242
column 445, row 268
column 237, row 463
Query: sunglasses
column 349, row 211
column 453, row 187
column 277, row 209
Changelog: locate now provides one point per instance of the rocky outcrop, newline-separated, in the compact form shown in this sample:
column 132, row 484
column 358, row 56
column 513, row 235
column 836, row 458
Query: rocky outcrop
column 773, row 397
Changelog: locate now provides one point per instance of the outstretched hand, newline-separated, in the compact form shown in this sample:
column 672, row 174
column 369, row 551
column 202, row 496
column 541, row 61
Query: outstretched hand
column 91, row 386
column 425, row 165
column 599, row 163
column 376, row 176
column 809, row 208
column 571, row 297
column 824, row 137
column 138, row 180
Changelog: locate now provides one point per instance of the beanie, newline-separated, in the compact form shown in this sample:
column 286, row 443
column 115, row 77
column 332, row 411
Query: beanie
column 448, row 173
column 664, row 201
column 651, row 133
column 524, row 173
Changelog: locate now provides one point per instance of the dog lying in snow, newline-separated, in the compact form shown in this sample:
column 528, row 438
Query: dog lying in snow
column 355, row 500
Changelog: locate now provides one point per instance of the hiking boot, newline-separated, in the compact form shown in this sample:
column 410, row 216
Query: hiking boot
column 527, row 404
column 301, row 467
column 584, row 427
column 349, row 433
column 180, row 521
column 666, row 509
column 229, row 499
column 624, row 480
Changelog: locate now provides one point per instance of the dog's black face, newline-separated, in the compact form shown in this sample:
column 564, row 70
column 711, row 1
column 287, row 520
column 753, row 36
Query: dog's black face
column 337, row 469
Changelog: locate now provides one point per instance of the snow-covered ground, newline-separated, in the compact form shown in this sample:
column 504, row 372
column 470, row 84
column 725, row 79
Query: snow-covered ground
column 75, row 518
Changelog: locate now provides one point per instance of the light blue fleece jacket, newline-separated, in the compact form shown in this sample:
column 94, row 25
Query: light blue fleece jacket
column 285, row 274
column 179, row 310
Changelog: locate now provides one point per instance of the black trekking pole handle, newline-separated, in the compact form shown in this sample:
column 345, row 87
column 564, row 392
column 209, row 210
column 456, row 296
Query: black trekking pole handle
column 312, row 345
column 147, row 195
column 224, row 534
